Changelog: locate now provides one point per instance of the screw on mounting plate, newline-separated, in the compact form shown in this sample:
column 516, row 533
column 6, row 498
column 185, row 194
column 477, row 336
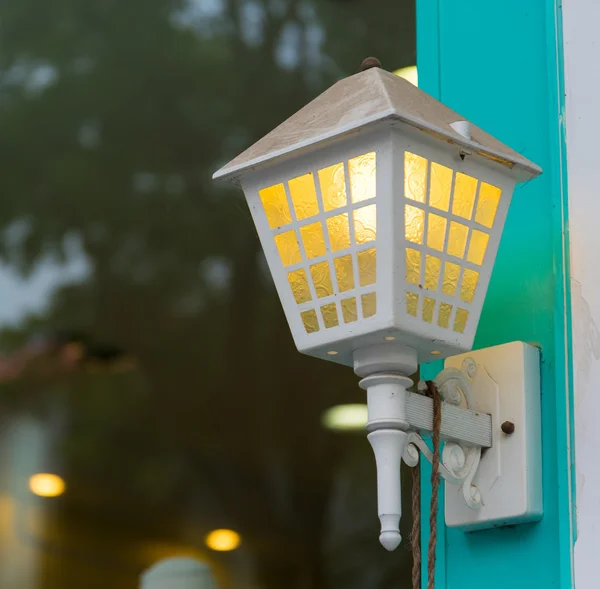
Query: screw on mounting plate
column 508, row 427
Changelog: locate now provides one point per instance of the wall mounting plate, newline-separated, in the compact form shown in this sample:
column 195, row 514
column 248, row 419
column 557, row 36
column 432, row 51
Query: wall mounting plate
column 506, row 384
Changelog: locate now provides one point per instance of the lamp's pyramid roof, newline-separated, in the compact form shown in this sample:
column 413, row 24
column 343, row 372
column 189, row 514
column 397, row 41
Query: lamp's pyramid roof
column 363, row 99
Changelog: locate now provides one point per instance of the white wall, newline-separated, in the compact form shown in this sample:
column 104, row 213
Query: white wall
column 582, row 84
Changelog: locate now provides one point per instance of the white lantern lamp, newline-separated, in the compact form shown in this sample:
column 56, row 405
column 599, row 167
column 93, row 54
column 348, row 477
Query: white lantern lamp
column 380, row 211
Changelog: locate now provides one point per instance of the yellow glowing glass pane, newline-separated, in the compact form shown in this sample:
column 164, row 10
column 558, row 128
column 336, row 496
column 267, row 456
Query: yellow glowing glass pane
column 333, row 187
column 365, row 224
column 414, row 220
column 451, row 273
column 322, row 279
column 369, row 304
column 469, row 284
column 477, row 247
column 311, row 323
column 487, row 204
column 432, row 272
column 339, row 232
column 330, row 316
column 436, row 232
column 349, row 310
column 313, row 240
column 444, row 314
column 344, row 273
column 362, row 177
column 276, row 206
column 465, row 188
column 413, row 266
column 367, row 267
column 415, row 177
column 412, row 303
column 441, row 186
column 299, row 285
column 428, row 308
column 460, row 320
column 289, row 251
column 304, row 196
column 457, row 239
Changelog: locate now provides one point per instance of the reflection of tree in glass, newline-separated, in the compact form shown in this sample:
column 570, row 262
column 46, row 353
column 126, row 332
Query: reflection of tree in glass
column 113, row 116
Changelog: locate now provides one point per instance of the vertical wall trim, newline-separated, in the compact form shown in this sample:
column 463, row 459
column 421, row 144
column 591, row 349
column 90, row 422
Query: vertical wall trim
column 562, row 318
column 582, row 121
column 504, row 71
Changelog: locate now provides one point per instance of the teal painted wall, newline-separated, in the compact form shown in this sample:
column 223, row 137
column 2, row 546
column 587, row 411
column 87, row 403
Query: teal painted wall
column 499, row 64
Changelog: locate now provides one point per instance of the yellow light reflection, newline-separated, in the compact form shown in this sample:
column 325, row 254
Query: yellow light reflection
column 223, row 540
column 409, row 73
column 46, row 485
column 345, row 417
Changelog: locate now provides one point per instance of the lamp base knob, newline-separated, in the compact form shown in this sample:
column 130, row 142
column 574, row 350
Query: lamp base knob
column 390, row 540
column 390, row 537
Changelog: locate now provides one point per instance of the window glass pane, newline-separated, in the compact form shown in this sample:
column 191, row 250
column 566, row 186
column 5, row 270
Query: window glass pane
column 154, row 404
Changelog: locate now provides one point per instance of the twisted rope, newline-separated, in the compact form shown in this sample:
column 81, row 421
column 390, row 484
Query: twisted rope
column 415, row 535
column 433, row 507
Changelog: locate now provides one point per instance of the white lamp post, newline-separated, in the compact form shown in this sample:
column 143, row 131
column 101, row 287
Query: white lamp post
column 380, row 211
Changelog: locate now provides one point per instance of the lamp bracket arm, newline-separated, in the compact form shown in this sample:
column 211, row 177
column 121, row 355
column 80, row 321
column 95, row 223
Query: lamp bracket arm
column 464, row 430
column 459, row 424
column 457, row 467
